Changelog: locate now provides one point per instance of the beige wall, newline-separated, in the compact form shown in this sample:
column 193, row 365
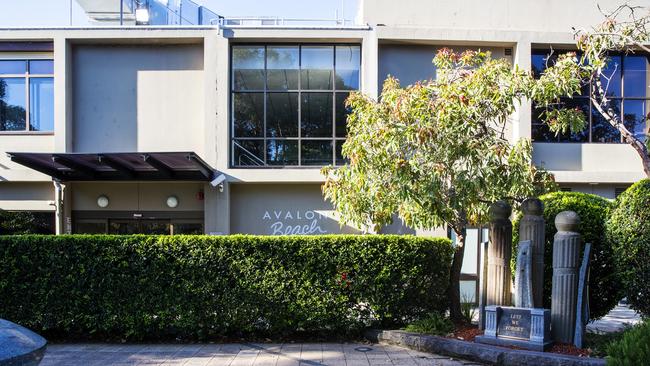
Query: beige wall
column 137, row 98
column 273, row 209
column 30, row 196
column 534, row 15
column 129, row 196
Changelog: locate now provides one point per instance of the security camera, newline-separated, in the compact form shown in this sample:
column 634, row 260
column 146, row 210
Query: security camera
column 218, row 180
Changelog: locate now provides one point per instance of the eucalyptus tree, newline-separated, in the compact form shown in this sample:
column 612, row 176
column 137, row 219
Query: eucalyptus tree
column 437, row 153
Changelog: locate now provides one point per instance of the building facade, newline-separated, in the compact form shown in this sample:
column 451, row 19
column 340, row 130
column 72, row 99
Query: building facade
column 223, row 129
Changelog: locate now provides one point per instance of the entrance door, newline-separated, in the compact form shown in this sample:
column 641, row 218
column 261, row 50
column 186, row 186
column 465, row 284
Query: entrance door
column 142, row 226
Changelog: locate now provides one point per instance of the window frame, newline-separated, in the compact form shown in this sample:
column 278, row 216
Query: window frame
column 27, row 76
column 265, row 138
column 590, row 120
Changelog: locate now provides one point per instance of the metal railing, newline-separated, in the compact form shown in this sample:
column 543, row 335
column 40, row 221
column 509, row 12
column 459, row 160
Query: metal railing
column 262, row 21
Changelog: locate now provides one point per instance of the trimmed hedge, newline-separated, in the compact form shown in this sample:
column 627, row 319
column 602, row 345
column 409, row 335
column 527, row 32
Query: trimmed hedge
column 628, row 230
column 200, row 287
column 604, row 285
column 632, row 349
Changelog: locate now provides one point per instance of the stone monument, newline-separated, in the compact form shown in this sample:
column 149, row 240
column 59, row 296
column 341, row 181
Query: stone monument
column 582, row 308
column 523, row 279
column 499, row 252
column 531, row 227
column 482, row 283
column 566, row 252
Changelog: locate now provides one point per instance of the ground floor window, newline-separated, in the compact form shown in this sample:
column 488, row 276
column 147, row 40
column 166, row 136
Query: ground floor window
column 141, row 224
column 26, row 222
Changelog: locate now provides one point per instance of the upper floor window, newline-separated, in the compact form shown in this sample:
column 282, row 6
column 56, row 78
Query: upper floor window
column 627, row 84
column 26, row 95
column 288, row 103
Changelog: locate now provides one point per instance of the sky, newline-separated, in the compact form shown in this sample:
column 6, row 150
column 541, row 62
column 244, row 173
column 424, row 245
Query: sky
column 47, row 13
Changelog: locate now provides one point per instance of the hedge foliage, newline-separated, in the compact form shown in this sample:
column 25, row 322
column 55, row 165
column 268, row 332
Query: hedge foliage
column 632, row 349
column 604, row 285
column 628, row 229
column 200, row 287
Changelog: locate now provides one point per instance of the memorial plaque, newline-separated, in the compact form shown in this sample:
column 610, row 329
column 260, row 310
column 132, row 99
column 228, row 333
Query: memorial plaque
column 528, row 328
column 514, row 323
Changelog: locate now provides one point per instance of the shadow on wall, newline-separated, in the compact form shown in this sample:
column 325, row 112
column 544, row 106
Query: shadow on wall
column 106, row 91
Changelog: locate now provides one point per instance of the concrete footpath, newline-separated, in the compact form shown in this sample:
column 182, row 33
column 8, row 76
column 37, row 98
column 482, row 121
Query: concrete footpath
column 242, row 354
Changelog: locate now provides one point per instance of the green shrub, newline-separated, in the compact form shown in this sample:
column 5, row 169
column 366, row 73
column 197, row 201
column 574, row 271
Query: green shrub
column 26, row 222
column 632, row 349
column 201, row 287
column 434, row 323
column 628, row 230
column 604, row 283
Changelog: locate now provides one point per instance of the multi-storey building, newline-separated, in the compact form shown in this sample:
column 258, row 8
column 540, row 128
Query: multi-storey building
column 122, row 129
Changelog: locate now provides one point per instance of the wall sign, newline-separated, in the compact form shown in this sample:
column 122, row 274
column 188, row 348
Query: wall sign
column 293, row 222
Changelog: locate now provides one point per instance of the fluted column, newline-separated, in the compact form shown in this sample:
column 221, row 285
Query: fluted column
column 566, row 252
column 499, row 253
column 531, row 227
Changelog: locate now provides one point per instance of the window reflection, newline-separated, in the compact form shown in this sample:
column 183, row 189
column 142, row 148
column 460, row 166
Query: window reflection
column 636, row 76
column 282, row 67
column 41, row 104
column 316, row 112
column 317, row 64
column 282, row 114
column 289, row 103
column 601, row 130
column 12, row 104
column 248, row 67
column 635, row 117
column 249, row 114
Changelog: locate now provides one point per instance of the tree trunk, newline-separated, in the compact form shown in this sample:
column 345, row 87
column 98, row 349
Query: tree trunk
column 455, row 312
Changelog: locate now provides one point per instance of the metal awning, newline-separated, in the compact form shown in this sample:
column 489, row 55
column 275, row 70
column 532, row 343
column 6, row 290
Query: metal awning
column 156, row 166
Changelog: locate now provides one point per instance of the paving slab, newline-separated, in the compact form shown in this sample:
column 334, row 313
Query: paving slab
column 241, row 354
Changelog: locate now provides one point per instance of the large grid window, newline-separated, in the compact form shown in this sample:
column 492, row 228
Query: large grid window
column 26, row 95
column 627, row 83
column 288, row 103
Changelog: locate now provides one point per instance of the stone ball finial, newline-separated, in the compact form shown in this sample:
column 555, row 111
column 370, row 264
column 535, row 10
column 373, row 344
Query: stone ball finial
column 532, row 206
column 567, row 221
column 500, row 210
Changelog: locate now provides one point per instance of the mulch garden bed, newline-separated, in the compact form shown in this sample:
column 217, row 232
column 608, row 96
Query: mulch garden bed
column 469, row 332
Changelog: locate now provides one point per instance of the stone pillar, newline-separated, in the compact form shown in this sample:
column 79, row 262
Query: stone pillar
column 566, row 252
column 499, row 253
column 531, row 227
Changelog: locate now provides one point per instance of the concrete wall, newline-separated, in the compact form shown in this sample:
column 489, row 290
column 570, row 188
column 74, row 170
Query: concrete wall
column 137, row 98
column 535, row 15
column 411, row 63
column 280, row 209
column 127, row 196
column 29, row 196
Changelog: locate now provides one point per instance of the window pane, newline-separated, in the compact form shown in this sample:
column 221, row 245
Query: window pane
column 282, row 114
column 282, row 152
column 316, row 152
column 584, row 105
column 249, row 114
column 41, row 104
column 611, row 78
column 601, row 130
column 342, row 114
column 90, row 227
column 41, row 67
column 155, row 227
column 340, row 160
column 187, row 228
column 635, row 76
column 124, row 227
column 541, row 133
column 248, row 67
column 12, row 104
column 348, row 61
column 636, row 112
column 13, row 67
column 282, row 64
column 538, row 64
column 248, row 152
column 317, row 65
column 316, row 114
